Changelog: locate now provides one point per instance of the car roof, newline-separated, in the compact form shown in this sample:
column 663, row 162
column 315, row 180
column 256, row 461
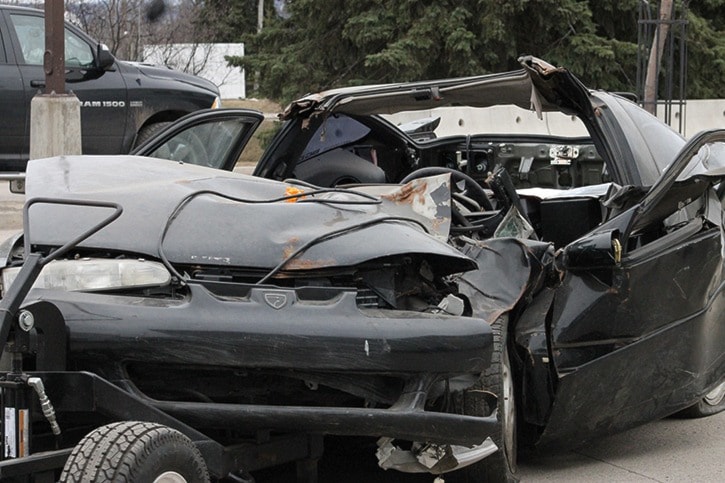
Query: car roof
column 507, row 88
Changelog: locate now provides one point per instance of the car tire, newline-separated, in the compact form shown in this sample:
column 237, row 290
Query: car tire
column 712, row 403
column 147, row 132
column 476, row 401
column 135, row 451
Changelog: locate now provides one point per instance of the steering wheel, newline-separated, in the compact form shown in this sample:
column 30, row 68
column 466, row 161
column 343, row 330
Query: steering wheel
column 472, row 188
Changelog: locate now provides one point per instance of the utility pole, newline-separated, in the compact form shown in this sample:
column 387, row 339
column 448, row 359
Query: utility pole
column 662, row 60
column 260, row 26
column 55, row 116
column 655, row 56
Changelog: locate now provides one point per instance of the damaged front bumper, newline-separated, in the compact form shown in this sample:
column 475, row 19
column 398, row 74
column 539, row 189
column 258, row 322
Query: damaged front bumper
column 249, row 331
column 431, row 457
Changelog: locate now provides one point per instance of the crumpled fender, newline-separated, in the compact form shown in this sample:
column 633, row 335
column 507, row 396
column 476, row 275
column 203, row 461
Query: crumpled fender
column 512, row 276
column 508, row 270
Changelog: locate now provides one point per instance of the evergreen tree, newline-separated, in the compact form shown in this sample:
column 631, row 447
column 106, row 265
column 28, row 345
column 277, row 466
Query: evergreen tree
column 319, row 44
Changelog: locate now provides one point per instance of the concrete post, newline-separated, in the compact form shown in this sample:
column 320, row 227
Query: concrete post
column 55, row 125
column 55, row 117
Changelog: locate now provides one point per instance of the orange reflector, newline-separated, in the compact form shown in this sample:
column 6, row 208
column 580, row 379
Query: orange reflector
column 291, row 191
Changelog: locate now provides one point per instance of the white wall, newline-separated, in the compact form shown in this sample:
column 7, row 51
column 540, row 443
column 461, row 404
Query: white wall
column 204, row 60
column 701, row 114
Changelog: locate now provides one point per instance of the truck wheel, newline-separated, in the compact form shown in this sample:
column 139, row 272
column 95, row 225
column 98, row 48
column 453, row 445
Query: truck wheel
column 476, row 401
column 135, row 451
column 147, row 132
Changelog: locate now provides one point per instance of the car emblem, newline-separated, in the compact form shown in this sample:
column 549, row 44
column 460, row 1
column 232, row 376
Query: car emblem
column 275, row 300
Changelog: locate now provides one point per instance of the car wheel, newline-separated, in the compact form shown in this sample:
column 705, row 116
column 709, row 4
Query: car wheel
column 712, row 403
column 476, row 401
column 147, row 132
column 135, row 451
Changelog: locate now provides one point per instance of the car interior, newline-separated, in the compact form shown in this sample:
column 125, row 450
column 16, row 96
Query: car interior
column 344, row 149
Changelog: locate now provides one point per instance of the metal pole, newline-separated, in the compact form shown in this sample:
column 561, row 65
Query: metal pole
column 260, row 26
column 139, row 53
column 54, row 57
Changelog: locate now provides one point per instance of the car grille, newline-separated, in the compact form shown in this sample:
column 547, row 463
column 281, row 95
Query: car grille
column 367, row 299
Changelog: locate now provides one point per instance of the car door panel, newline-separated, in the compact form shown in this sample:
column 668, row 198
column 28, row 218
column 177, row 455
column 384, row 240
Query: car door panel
column 211, row 137
column 663, row 298
column 678, row 277
column 629, row 386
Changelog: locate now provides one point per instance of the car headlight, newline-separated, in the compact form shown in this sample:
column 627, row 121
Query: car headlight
column 217, row 103
column 93, row 274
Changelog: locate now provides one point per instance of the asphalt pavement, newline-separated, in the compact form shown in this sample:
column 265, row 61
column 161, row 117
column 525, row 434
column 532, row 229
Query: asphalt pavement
column 11, row 214
column 670, row 450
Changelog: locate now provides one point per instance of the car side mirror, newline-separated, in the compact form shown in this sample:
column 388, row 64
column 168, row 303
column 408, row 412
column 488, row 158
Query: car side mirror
column 104, row 57
column 600, row 250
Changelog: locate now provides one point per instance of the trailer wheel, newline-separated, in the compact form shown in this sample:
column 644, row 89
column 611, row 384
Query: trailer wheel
column 135, row 451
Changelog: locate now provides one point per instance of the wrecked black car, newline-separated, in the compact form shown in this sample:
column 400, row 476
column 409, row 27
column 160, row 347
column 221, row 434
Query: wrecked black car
column 452, row 295
column 270, row 326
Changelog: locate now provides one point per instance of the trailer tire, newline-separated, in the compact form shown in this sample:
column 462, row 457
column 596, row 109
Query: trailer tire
column 132, row 451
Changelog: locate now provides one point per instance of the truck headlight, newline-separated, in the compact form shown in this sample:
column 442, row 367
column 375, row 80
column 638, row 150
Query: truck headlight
column 93, row 274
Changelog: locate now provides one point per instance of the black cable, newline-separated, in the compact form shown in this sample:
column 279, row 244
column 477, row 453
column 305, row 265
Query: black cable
column 371, row 200
column 334, row 234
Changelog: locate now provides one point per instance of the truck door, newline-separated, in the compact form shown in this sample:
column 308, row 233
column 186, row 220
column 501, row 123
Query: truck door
column 102, row 92
column 14, row 119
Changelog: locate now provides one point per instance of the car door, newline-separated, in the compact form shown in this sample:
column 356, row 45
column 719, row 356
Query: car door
column 14, row 121
column 102, row 93
column 210, row 137
column 636, row 329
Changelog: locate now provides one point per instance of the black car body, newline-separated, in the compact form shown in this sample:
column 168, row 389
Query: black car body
column 120, row 101
column 464, row 290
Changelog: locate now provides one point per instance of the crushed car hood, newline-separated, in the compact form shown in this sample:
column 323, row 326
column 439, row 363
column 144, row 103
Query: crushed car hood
column 195, row 215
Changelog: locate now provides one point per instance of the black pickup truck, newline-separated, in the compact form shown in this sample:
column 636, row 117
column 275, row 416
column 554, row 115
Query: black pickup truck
column 122, row 103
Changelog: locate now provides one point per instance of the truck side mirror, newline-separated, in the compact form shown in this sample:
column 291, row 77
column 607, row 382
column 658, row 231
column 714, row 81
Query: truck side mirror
column 600, row 250
column 104, row 58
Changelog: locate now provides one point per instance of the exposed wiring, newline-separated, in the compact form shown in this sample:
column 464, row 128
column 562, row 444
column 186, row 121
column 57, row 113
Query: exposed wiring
column 334, row 234
column 306, row 197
